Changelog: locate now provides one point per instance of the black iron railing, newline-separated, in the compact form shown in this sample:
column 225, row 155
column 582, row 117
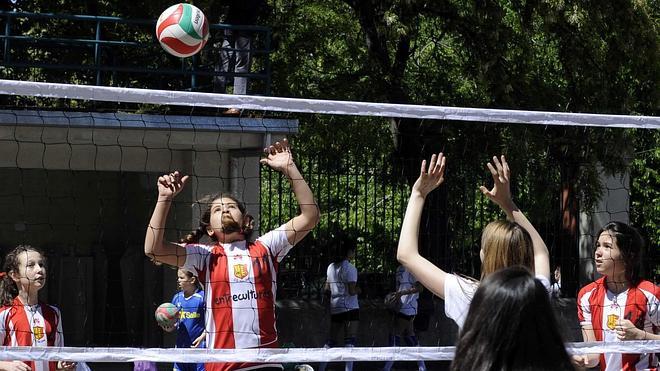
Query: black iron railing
column 112, row 51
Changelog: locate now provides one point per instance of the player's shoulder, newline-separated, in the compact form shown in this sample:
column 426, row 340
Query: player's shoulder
column 49, row 307
column 650, row 287
column 591, row 287
column 5, row 309
column 196, row 245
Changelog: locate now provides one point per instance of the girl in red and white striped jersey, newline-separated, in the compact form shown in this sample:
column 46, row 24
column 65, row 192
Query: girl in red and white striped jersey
column 620, row 305
column 24, row 321
column 239, row 276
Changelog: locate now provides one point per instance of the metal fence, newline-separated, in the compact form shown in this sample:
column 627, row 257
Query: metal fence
column 112, row 51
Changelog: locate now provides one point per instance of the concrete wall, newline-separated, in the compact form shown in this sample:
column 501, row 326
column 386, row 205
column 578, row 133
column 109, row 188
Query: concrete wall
column 85, row 195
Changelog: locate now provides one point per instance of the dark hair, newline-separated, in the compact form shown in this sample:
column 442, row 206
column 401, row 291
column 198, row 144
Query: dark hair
column 190, row 274
column 205, row 220
column 342, row 245
column 631, row 245
column 8, row 288
column 511, row 326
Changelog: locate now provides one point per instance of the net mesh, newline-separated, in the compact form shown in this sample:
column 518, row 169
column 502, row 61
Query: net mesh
column 79, row 166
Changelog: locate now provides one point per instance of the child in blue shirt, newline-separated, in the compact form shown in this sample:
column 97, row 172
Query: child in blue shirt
column 190, row 326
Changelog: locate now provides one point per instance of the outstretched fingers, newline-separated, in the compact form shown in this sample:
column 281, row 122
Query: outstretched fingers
column 278, row 147
column 433, row 176
column 439, row 168
column 502, row 169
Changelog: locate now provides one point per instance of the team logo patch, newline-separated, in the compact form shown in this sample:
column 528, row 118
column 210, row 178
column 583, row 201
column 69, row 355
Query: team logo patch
column 38, row 332
column 612, row 320
column 240, row 271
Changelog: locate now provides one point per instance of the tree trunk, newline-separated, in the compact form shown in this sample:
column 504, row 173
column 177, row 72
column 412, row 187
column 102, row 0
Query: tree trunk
column 568, row 234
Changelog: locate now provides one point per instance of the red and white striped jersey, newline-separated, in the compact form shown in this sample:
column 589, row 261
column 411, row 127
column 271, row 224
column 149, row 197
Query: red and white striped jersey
column 240, row 280
column 602, row 309
column 37, row 325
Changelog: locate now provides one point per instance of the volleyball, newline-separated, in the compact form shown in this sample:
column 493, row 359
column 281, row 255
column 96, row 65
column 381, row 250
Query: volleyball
column 182, row 30
column 167, row 314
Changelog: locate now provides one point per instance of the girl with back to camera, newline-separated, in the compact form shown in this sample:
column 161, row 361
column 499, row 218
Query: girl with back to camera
column 503, row 243
column 404, row 311
column 511, row 326
column 620, row 305
column 239, row 276
column 24, row 320
column 341, row 284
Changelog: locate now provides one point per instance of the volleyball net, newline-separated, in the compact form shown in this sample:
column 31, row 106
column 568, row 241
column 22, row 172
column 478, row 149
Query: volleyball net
column 79, row 166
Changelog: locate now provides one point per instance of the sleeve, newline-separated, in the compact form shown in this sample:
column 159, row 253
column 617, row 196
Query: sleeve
column 4, row 313
column 458, row 295
column 196, row 256
column 400, row 277
column 202, row 304
column 351, row 274
column 277, row 242
column 413, row 279
column 654, row 309
column 59, row 335
column 174, row 298
column 583, row 308
column 545, row 281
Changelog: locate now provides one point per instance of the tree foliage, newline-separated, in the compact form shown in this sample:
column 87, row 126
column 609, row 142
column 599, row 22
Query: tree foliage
column 559, row 55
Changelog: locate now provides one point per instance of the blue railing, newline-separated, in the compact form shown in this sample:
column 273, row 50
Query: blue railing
column 112, row 51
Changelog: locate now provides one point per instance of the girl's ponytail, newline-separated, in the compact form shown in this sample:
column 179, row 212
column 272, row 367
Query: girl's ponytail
column 8, row 289
column 194, row 236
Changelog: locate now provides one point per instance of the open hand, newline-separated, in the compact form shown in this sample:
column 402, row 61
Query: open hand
column 167, row 328
column 429, row 179
column 626, row 330
column 501, row 191
column 197, row 342
column 278, row 156
column 15, row 366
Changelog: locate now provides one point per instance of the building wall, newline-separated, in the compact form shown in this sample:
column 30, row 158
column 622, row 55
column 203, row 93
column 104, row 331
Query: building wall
column 85, row 196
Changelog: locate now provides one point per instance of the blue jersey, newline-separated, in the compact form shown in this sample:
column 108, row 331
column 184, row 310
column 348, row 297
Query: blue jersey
column 190, row 325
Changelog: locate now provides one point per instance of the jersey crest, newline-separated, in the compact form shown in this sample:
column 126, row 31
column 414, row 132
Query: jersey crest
column 38, row 332
column 612, row 320
column 240, row 271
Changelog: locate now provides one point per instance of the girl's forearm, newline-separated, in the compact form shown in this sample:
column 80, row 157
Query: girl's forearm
column 302, row 192
column 156, row 228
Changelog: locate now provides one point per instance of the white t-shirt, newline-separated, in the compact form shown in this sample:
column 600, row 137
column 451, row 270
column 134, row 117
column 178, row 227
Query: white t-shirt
column 338, row 277
column 459, row 292
column 406, row 281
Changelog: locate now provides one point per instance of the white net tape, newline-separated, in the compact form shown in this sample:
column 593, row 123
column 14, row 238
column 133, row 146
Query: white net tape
column 167, row 97
column 287, row 355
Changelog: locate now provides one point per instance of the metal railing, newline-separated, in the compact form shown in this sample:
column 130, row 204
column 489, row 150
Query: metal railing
column 112, row 51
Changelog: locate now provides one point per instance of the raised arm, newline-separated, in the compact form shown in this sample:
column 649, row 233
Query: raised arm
column 279, row 157
column 427, row 273
column 169, row 185
column 501, row 195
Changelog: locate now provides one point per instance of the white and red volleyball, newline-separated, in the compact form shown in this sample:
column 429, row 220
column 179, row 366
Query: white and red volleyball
column 182, row 30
